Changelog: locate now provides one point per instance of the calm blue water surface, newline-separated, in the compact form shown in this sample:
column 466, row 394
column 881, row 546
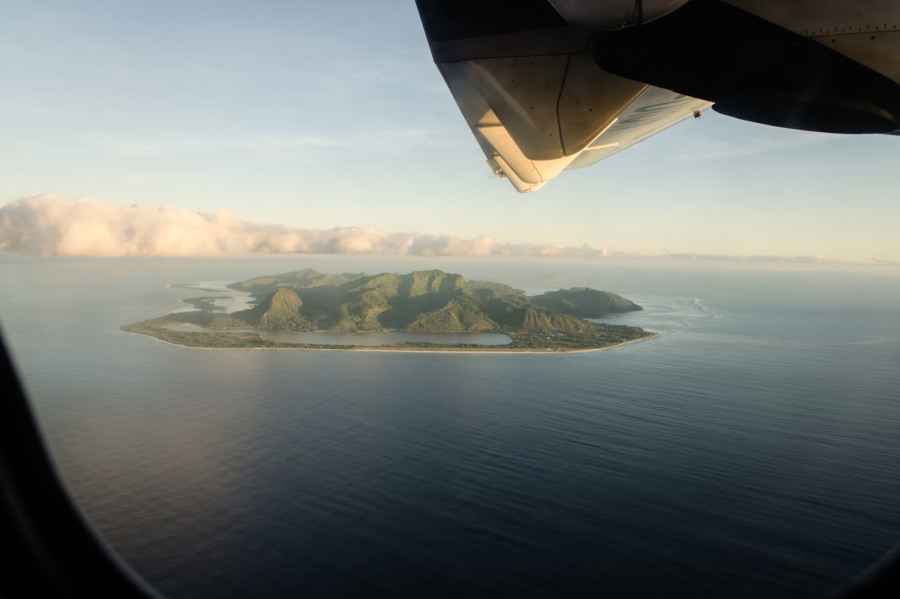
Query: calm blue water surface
column 751, row 450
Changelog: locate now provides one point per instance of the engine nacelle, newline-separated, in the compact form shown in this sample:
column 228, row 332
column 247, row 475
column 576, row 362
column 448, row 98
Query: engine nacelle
column 609, row 15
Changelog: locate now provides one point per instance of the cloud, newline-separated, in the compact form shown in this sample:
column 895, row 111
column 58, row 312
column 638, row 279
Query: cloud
column 48, row 225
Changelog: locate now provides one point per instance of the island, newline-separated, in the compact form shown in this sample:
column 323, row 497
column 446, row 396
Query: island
column 420, row 302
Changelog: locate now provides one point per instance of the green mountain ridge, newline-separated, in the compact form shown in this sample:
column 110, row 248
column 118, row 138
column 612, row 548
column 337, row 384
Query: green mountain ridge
column 281, row 310
column 300, row 279
column 425, row 301
column 585, row 302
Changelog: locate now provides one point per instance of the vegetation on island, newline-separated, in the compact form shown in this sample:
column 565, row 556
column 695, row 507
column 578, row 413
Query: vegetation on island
column 429, row 301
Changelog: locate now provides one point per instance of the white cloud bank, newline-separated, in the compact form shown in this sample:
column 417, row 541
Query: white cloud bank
column 48, row 225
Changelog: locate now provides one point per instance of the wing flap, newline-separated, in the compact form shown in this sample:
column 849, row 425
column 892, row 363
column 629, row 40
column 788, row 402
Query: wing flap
column 654, row 110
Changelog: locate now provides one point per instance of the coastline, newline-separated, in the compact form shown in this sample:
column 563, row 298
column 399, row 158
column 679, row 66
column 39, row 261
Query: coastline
column 408, row 350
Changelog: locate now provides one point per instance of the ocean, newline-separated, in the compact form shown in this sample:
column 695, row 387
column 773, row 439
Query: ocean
column 751, row 450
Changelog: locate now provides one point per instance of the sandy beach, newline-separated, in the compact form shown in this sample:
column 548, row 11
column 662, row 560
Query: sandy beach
column 410, row 350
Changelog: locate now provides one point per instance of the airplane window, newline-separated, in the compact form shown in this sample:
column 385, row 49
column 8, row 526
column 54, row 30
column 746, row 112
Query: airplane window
column 162, row 162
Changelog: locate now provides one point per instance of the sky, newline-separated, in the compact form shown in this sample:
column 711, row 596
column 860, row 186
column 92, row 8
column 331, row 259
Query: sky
column 208, row 128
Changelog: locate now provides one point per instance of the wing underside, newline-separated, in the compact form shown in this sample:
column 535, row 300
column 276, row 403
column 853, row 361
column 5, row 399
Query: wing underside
column 538, row 104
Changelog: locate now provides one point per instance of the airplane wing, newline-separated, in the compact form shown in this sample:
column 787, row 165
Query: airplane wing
column 553, row 85
column 532, row 94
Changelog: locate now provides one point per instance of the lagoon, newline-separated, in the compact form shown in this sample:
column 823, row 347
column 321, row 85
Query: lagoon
column 373, row 339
